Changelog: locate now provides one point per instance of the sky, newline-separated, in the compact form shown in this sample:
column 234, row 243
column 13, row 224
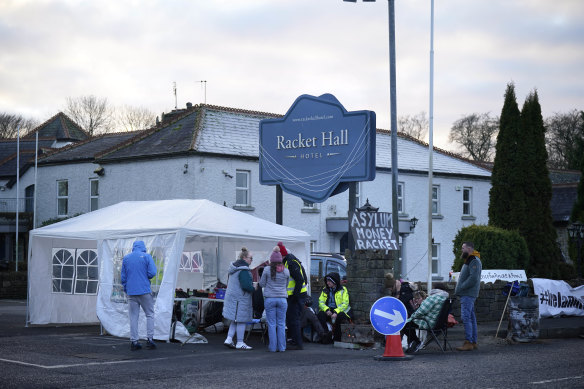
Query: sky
column 260, row 55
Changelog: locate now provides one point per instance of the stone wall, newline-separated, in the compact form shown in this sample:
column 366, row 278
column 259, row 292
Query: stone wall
column 13, row 285
column 365, row 279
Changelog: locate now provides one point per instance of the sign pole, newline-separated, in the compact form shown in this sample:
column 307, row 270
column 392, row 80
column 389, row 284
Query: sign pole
column 279, row 205
column 352, row 206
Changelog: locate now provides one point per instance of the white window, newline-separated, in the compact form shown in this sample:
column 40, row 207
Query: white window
column 400, row 197
column 93, row 194
column 308, row 205
column 75, row 271
column 62, row 198
column 242, row 188
column 313, row 246
column 466, row 201
column 435, row 259
column 436, row 200
column 357, row 195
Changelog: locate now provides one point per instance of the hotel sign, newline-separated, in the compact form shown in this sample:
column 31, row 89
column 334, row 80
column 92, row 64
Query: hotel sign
column 317, row 148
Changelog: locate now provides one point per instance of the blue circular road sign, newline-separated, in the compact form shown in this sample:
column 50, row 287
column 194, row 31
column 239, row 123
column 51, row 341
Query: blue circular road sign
column 388, row 315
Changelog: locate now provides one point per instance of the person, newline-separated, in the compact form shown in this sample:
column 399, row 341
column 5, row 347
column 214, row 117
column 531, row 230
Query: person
column 333, row 304
column 402, row 291
column 309, row 319
column 297, row 293
column 237, row 305
column 137, row 269
column 467, row 288
column 424, row 317
column 275, row 281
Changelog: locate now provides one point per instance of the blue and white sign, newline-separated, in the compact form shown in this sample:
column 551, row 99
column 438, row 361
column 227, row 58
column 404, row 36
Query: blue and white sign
column 388, row 315
column 317, row 148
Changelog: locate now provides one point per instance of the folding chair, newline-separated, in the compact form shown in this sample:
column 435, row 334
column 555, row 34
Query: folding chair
column 441, row 326
column 263, row 328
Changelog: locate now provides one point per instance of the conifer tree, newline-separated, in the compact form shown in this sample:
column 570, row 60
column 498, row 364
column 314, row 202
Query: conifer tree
column 536, row 224
column 506, row 203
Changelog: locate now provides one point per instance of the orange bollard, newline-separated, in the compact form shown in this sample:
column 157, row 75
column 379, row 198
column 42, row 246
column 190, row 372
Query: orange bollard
column 393, row 349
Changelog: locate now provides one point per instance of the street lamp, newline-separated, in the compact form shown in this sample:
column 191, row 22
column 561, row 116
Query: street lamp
column 576, row 231
column 413, row 222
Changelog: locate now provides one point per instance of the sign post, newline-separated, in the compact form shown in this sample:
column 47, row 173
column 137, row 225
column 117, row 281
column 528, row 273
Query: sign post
column 388, row 316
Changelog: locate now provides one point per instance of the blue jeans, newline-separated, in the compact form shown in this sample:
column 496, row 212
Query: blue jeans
column 276, row 317
column 468, row 318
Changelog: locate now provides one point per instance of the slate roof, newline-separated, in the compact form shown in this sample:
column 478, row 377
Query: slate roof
column 8, row 155
column 87, row 149
column 234, row 132
column 59, row 127
column 563, row 200
column 564, row 176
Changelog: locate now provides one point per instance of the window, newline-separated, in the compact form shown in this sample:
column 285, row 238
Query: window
column 75, row 271
column 400, row 197
column 466, row 201
column 435, row 258
column 308, row 205
column 357, row 195
column 313, row 246
column 93, row 194
column 242, row 189
column 435, row 200
column 332, row 266
column 62, row 198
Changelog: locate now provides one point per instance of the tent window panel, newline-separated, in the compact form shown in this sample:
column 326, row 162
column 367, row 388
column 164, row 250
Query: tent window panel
column 63, row 271
column 92, row 287
column 86, row 270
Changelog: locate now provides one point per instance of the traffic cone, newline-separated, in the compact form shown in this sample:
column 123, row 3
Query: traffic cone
column 393, row 349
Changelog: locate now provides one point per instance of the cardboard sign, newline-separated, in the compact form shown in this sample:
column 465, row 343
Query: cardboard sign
column 372, row 231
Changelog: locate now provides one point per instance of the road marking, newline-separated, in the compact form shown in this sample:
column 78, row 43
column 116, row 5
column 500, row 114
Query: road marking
column 396, row 318
column 80, row 364
column 557, row 380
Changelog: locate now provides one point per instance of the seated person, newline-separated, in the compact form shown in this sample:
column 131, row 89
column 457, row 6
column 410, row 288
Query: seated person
column 428, row 310
column 402, row 291
column 309, row 319
column 333, row 304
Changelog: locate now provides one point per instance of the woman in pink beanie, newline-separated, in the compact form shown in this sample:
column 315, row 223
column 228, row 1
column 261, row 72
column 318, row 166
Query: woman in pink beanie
column 275, row 282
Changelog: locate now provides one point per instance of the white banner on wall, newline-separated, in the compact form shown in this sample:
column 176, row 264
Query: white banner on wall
column 494, row 275
column 558, row 298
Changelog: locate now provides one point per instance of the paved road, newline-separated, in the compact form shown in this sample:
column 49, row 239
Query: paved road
column 74, row 357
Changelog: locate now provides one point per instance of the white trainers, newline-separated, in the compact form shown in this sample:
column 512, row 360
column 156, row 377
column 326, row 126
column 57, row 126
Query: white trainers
column 244, row 346
column 229, row 344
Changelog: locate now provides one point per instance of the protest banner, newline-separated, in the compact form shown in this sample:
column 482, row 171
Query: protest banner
column 558, row 298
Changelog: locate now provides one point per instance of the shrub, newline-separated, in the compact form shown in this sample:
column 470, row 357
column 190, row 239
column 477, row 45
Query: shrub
column 499, row 248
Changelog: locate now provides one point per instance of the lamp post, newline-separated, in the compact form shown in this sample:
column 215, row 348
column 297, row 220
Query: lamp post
column 392, row 94
column 576, row 232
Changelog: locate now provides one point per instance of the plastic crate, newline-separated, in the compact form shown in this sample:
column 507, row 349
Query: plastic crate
column 220, row 293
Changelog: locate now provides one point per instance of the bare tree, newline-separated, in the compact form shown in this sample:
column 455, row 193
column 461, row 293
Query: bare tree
column 10, row 123
column 476, row 135
column 565, row 139
column 415, row 126
column 93, row 114
column 130, row 118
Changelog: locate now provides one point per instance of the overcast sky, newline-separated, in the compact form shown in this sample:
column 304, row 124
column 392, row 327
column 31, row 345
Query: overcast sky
column 262, row 54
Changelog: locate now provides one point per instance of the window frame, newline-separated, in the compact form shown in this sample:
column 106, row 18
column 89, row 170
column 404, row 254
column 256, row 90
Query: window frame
column 401, row 186
column 92, row 196
column 436, row 259
column 246, row 189
column 467, row 202
column 62, row 198
column 436, row 200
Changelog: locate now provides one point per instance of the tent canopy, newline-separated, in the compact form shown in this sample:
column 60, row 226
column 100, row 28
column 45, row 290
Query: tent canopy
column 74, row 265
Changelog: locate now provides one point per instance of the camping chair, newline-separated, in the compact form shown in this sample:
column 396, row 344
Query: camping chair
column 441, row 326
column 253, row 325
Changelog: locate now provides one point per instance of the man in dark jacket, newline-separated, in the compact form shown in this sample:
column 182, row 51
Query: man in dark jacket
column 467, row 288
column 137, row 269
column 297, row 293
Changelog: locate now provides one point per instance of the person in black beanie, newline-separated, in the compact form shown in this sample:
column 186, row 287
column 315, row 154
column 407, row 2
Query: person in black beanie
column 297, row 293
column 333, row 304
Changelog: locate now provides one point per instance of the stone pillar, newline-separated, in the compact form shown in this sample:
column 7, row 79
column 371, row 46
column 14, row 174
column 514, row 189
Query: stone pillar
column 365, row 279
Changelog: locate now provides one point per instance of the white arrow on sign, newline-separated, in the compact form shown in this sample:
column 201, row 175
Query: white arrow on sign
column 396, row 318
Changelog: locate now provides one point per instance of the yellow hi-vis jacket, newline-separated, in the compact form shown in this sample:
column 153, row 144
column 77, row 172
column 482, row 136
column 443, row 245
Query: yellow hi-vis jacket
column 341, row 298
column 292, row 282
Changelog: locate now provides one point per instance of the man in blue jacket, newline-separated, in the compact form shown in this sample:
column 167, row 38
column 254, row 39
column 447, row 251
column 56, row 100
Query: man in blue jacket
column 137, row 269
column 467, row 288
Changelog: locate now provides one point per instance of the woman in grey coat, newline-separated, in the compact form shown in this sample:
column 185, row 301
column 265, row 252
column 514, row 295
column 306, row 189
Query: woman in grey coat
column 237, row 305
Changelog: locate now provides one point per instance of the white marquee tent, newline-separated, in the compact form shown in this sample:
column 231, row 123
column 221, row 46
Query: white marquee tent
column 74, row 265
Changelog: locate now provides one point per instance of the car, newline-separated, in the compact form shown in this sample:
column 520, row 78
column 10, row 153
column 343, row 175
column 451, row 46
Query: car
column 322, row 264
